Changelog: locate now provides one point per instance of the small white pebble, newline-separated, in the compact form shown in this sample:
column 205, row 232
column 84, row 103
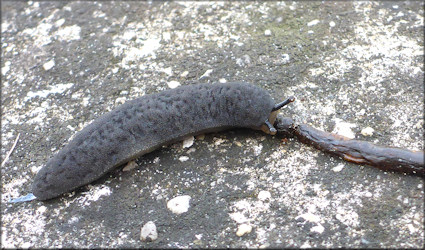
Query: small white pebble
column 332, row 24
column 411, row 228
column 265, row 245
column 264, row 195
column 183, row 158
column 148, row 232
column 367, row 131
column 267, row 32
column 238, row 217
column 207, row 73
column 338, row 168
column 41, row 209
column 179, row 204
column 371, row 88
column 243, row 229
column 285, row 58
column 188, row 142
column 218, row 141
column 344, row 128
column 222, row 80
column 73, row 220
column 395, row 6
column 166, row 36
column 35, row 169
column 184, row 74
column 400, row 14
column 368, row 194
column 130, row 166
column 6, row 68
column 312, row 23
column 26, row 245
column 191, row 150
column 305, row 245
column 59, row 22
column 173, row 84
column 318, row 229
column 120, row 100
column 48, row 65
column 309, row 217
column 168, row 71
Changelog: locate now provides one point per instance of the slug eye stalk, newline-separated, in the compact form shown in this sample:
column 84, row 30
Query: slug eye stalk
column 281, row 104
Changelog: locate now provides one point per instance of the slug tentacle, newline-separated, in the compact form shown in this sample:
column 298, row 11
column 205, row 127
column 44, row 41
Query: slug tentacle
column 272, row 130
column 281, row 104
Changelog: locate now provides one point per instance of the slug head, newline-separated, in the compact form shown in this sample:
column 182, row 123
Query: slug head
column 267, row 127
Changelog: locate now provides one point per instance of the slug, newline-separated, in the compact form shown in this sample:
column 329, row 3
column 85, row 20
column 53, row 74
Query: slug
column 142, row 125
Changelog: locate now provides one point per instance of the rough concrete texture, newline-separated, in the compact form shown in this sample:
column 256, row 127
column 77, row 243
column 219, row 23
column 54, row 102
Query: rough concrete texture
column 351, row 65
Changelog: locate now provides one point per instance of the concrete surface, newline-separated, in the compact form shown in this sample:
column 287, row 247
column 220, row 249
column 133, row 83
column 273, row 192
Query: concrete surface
column 351, row 65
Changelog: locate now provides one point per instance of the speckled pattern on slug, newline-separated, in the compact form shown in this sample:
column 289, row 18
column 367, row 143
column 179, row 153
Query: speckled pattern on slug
column 142, row 125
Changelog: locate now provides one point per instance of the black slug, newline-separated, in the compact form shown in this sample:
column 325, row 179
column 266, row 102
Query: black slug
column 142, row 125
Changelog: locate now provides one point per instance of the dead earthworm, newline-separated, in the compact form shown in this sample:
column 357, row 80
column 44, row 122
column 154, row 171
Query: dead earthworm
column 357, row 151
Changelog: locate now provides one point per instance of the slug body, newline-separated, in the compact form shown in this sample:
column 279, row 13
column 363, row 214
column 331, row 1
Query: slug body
column 142, row 125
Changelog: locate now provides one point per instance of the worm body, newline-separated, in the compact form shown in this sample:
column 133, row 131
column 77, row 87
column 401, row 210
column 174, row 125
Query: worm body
column 357, row 151
column 142, row 125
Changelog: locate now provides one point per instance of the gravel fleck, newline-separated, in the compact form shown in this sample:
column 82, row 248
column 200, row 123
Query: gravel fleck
column 312, row 23
column 368, row 131
column 183, row 158
column 179, row 204
column 48, row 65
column 130, row 166
column 148, row 232
column 264, row 195
column 188, row 142
column 338, row 167
column 243, row 229
column 173, row 84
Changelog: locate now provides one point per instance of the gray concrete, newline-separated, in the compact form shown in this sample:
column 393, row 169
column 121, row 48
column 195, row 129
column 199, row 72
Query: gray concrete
column 351, row 65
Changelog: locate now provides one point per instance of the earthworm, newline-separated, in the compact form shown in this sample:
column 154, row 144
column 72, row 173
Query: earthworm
column 357, row 151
